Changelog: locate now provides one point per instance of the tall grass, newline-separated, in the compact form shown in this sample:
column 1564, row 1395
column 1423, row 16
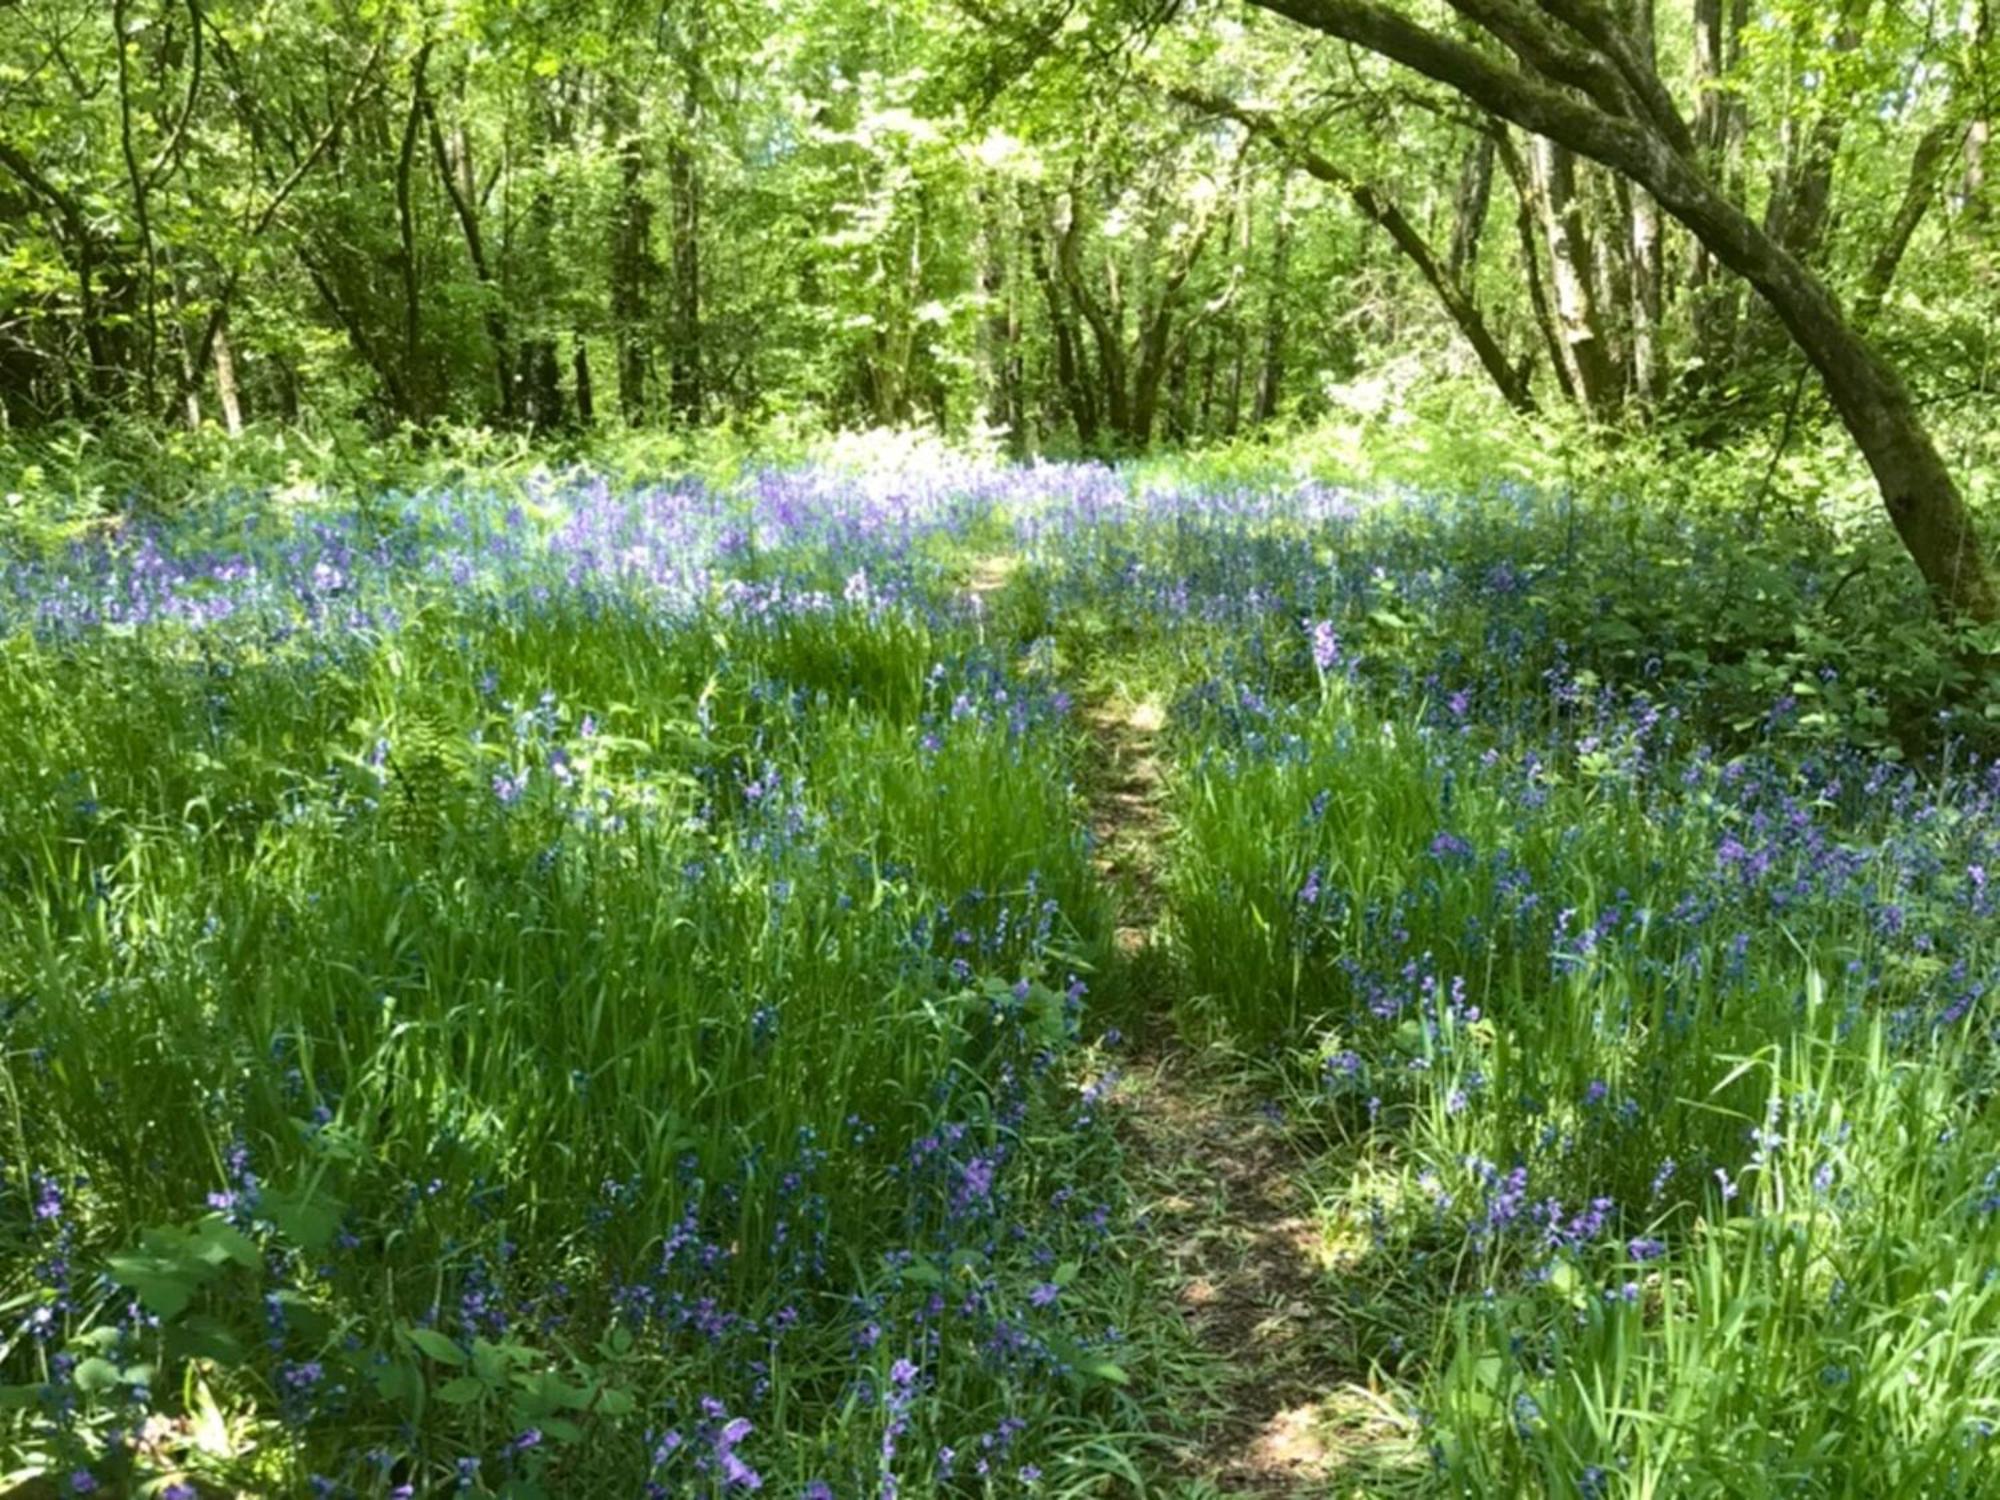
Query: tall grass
column 1648, row 1060
column 495, row 1021
column 566, row 987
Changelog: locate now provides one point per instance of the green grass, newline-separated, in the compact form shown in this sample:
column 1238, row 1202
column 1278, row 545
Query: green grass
column 500, row 987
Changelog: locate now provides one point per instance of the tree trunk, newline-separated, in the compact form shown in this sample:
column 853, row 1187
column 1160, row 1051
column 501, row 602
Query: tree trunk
column 995, row 335
column 189, row 375
column 541, row 382
column 139, row 181
column 1378, row 209
column 457, row 178
column 1552, row 174
column 1105, row 320
column 1210, row 363
column 416, row 380
column 685, row 372
column 1271, row 377
column 1922, row 499
column 99, row 299
column 1082, row 410
column 586, row 395
column 227, row 392
column 1239, row 336
column 1469, row 203
column 1531, row 263
column 1720, row 126
column 1926, row 167
column 1647, row 292
column 1802, row 196
column 631, row 258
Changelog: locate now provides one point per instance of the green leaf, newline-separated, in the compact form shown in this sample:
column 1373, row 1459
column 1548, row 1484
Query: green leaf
column 307, row 1219
column 164, row 1284
column 217, row 1242
column 462, row 1390
column 440, row 1348
column 398, row 1380
column 1104, row 1369
column 95, row 1375
column 616, row 1403
column 203, row 1337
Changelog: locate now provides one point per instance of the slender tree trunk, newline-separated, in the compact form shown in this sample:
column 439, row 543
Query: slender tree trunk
column 1552, row 171
column 1076, row 398
column 684, row 186
column 189, row 375
column 1239, row 334
column 1177, row 395
column 1271, row 377
column 1972, row 188
column 631, row 258
column 996, row 334
column 140, row 184
column 1469, row 204
column 1646, row 292
column 416, row 380
column 227, row 391
column 458, row 181
column 586, row 394
column 1720, row 127
column 1210, row 363
column 1926, row 167
column 1609, row 210
column 1802, row 196
column 1530, row 255
column 1105, row 320
column 541, row 381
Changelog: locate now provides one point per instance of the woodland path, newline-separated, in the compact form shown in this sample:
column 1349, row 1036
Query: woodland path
column 1245, row 1262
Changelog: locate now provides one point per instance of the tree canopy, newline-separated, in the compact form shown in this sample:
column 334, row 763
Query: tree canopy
column 1082, row 227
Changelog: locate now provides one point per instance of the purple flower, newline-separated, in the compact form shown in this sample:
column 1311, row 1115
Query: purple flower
column 1643, row 1249
column 1325, row 645
column 1449, row 845
column 1044, row 1294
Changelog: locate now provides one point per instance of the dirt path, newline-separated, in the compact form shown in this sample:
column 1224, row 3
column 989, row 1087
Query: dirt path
column 1247, row 1264
column 1250, row 1266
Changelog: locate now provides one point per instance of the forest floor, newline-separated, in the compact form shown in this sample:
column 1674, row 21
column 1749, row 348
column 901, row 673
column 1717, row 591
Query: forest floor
column 1246, row 1263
